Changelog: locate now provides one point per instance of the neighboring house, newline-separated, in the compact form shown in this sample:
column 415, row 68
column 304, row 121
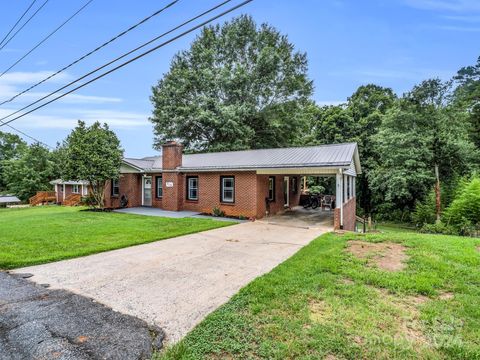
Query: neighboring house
column 63, row 189
column 249, row 183
column 6, row 200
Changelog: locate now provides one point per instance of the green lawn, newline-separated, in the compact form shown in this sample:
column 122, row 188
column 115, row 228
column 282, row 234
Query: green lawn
column 326, row 303
column 43, row 234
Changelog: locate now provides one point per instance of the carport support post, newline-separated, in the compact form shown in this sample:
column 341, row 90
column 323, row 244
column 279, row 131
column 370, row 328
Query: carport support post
column 339, row 197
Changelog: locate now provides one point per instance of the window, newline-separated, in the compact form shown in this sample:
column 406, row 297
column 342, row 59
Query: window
column 159, row 187
column 271, row 188
column 115, row 187
column 227, row 189
column 85, row 190
column 192, row 188
column 294, row 185
column 75, row 189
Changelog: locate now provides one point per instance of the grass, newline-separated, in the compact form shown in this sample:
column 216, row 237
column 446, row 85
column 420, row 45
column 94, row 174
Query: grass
column 325, row 303
column 39, row 235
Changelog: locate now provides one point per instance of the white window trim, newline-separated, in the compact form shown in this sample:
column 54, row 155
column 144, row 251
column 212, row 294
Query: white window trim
column 232, row 188
column 189, row 187
column 75, row 191
column 157, row 187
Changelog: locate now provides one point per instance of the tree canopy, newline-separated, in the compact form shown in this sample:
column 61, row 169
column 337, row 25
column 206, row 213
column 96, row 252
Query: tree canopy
column 239, row 86
column 92, row 153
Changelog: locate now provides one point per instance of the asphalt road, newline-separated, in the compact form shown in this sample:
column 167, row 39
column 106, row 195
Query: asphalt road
column 39, row 323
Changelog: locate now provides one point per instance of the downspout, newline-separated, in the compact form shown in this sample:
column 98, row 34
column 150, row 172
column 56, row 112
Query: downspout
column 341, row 203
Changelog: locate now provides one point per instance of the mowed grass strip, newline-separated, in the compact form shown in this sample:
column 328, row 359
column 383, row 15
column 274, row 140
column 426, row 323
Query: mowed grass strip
column 31, row 236
column 325, row 302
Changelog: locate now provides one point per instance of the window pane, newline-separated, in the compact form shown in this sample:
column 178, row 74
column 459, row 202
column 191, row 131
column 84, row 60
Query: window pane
column 159, row 186
column 228, row 195
column 192, row 190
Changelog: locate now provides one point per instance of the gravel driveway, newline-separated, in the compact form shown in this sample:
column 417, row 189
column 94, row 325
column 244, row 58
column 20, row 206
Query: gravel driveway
column 175, row 283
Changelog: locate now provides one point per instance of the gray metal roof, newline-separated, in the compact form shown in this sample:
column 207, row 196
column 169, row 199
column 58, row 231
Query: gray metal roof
column 68, row 182
column 336, row 155
column 7, row 199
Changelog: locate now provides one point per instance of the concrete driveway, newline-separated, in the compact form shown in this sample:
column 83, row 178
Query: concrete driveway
column 176, row 282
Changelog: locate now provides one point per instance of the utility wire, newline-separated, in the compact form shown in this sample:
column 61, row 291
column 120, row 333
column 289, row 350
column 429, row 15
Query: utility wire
column 24, row 24
column 21, row 17
column 47, row 37
column 120, row 57
column 91, row 52
column 30, row 137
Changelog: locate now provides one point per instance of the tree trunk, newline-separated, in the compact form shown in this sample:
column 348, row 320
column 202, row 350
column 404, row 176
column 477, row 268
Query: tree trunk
column 438, row 200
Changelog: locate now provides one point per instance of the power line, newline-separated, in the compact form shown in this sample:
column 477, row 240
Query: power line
column 30, row 137
column 47, row 37
column 128, row 62
column 20, row 19
column 115, row 60
column 91, row 52
column 24, row 24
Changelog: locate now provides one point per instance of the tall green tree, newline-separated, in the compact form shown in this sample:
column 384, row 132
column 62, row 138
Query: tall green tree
column 422, row 141
column 11, row 147
column 358, row 120
column 467, row 97
column 29, row 173
column 239, row 86
column 367, row 107
column 92, row 153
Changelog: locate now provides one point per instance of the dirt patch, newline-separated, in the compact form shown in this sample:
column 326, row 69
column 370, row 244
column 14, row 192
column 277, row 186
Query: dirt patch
column 446, row 295
column 478, row 248
column 386, row 256
column 319, row 310
column 347, row 281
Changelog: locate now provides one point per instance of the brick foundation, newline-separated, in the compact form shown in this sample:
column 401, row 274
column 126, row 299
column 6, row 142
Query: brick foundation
column 349, row 215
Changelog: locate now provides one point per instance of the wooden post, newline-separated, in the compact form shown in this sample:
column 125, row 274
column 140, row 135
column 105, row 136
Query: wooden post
column 438, row 200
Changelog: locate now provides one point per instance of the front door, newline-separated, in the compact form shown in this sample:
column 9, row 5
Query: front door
column 286, row 191
column 147, row 191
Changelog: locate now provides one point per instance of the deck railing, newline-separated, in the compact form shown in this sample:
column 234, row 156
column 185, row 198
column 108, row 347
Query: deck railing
column 42, row 197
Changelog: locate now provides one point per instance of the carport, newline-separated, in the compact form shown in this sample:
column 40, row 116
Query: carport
column 339, row 161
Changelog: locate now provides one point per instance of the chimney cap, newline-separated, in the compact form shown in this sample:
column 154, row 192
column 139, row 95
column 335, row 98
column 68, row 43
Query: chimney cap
column 171, row 143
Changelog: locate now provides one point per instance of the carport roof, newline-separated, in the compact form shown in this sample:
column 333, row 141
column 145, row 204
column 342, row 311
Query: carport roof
column 328, row 156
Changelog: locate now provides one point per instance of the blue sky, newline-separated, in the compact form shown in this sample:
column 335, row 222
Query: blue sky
column 394, row 43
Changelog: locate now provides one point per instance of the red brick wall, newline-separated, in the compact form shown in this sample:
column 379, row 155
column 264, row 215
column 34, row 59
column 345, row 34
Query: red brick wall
column 171, row 155
column 279, row 204
column 172, row 196
column 156, row 201
column 349, row 213
column 131, row 186
column 209, row 193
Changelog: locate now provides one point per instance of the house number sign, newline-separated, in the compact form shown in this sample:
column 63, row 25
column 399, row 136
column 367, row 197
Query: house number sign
column 169, row 183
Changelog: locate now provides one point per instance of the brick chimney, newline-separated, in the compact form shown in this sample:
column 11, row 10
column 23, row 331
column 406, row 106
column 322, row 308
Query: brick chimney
column 172, row 180
column 171, row 155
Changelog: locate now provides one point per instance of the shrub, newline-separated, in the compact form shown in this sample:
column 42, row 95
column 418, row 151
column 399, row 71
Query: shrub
column 218, row 212
column 438, row 228
column 425, row 211
column 89, row 200
column 464, row 211
column 316, row 189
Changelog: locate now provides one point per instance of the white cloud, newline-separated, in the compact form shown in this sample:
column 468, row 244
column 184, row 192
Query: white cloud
column 463, row 18
column 446, row 5
column 67, row 118
column 458, row 28
column 32, row 77
column 13, row 83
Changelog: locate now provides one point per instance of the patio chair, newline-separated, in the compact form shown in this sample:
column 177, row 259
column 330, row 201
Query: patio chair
column 327, row 201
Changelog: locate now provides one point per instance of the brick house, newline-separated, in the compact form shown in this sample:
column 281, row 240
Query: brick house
column 64, row 189
column 251, row 183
